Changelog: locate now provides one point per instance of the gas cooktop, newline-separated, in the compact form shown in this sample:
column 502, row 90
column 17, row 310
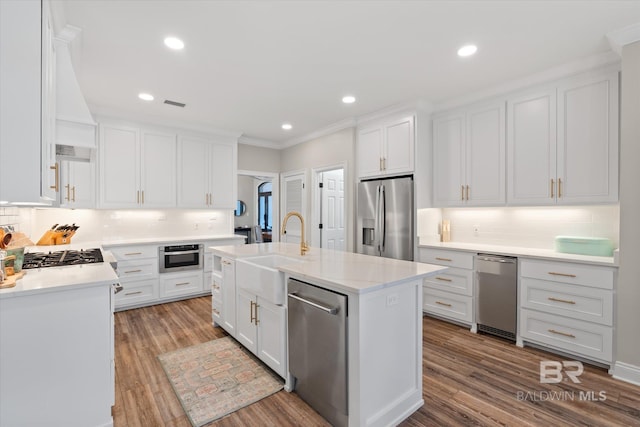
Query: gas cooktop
column 61, row 258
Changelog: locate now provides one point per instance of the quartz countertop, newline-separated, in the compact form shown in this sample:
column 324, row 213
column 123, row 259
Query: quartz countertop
column 338, row 270
column 548, row 254
column 161, row 240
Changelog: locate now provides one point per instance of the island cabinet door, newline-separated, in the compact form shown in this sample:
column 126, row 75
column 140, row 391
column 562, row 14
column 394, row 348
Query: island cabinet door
column 246, row 332
column 272, row 335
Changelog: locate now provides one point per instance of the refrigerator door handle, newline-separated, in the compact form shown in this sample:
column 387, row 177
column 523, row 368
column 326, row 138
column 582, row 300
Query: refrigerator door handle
column 383, row 218
column 376, row 242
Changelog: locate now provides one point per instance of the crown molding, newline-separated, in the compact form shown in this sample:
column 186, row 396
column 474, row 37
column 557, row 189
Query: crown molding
column 608, row 58
column 401, row 108
column 327, row 130
column 624, row 36
column 257, row 142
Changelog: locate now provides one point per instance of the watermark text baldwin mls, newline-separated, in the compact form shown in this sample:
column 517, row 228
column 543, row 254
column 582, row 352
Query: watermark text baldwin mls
column 552, row 372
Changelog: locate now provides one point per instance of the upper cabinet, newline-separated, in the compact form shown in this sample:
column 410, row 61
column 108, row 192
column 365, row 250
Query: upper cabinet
column 206, row 173
column 469, row 156
column 137, row 168
column 387, row 148
column 27, row 103
column 77, row 183
column 563, row 142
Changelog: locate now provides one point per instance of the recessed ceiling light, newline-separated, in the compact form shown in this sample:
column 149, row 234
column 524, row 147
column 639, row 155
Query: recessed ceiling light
column 287, row 126
column 145, row 96
column 467, row 50
column 348, row 99
column 174, row 43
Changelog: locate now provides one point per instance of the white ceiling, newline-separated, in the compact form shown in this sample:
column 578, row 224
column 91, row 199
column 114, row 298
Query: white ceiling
column 249, row 66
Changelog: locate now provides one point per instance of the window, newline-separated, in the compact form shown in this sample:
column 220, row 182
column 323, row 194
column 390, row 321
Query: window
column 265, row 213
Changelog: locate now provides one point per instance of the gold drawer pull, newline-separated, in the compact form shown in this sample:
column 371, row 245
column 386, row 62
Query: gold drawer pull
column 216, row 312
column 443, row 303
column 444, row 259
column 553, row 273
column 132, row 271
column 552, row 185
column 133, row 293
column 561, row 300
column 564, row 334
column 133, row 253
column 183, row 283
column 444, row 279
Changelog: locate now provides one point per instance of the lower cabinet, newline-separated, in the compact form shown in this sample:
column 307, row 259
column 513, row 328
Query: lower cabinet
column 180, row 284
column 228, row 307
column 137, row 293
column 261, row 328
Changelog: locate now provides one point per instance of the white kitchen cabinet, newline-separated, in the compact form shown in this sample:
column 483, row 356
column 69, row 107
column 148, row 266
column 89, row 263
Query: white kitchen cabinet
column 387, row 148
column 229, row 317
column 180, row 284
column 563, row 142
column 77, row 183
column 138, row 273
column 27, row 103
column 469, row 156
column 262, row 329
column 137, row 167
column 206, row 174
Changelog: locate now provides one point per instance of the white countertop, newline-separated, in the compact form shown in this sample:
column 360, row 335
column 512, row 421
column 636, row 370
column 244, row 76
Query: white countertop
column 522, row 252
column 345, row 271
column 54, row 279
column 161, row 240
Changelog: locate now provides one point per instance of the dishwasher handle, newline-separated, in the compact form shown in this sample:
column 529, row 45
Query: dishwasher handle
column 330, row 310
column 490, row 258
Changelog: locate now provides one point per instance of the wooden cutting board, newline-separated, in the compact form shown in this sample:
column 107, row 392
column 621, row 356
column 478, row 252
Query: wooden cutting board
column 10, row 281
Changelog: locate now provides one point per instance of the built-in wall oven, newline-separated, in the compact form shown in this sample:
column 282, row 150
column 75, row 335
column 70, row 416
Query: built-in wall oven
column 180, row 257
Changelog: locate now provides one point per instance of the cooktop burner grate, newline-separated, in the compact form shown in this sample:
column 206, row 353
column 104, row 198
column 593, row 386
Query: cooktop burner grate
column 61, row 258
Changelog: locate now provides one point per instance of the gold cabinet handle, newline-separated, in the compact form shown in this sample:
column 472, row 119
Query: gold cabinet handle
column 462, row 192
column 467, row 192
column 384, row 163
column 73, row 192
column 210, row 199
column 256, row 309
column 444, row 279
column 251, row 311
column 564, row 334
column 132, row 271
column 559, row 188
column 56, row 185
column 133, row 293
column 444, row 259
column 133, row 253
column 68, row 197
column 443, row 303
column 183, row 283
column 143, row 197
column 552, row 186
column 553, row 273
column 566, row 301
column 380, row 166
column 215, row 311
column 138, row 197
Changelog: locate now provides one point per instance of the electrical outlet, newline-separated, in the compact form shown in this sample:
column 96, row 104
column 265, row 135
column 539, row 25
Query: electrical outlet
column 476, row 230
column 195, row 226
column 392, row 299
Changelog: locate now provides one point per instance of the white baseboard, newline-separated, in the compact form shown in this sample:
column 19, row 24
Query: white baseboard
column 627, row 372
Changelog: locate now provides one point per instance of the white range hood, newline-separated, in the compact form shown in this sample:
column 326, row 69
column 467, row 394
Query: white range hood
column 75, row 126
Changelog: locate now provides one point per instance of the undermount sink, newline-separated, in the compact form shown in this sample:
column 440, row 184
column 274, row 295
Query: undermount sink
column 260, row 275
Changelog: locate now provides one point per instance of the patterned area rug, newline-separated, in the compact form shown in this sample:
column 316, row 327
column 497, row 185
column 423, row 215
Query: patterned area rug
column 216, row 378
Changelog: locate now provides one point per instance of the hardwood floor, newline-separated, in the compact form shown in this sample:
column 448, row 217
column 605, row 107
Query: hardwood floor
column 468, row 379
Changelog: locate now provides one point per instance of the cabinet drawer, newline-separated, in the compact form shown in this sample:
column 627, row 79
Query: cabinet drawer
column 448, row 258
column 138, row 269
column 216, row 315
column 181, row 284
column 574, row 336
column 455, row 280
column 137, row 292
column 578, row 302
column 123, row 253
column 216, row 288
column 565, row 272
column 455, row 306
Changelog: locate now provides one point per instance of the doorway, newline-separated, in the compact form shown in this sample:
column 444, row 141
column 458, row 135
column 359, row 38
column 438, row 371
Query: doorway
column 258, row 196
column 329, row 212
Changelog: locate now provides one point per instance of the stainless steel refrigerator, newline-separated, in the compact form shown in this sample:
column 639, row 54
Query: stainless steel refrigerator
column 385, row 218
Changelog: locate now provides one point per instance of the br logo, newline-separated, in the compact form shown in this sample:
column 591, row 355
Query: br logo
column 551, row 372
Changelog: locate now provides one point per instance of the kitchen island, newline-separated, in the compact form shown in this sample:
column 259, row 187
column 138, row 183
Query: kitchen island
column 383, row 322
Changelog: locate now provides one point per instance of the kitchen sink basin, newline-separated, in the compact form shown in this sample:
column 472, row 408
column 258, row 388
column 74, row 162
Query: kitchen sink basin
column 260, row 276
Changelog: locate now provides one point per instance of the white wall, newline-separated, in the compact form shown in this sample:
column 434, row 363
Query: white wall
column 260, row 159
column 628, row 290
column 247, row 186
column 322, row 152
column 532, row 227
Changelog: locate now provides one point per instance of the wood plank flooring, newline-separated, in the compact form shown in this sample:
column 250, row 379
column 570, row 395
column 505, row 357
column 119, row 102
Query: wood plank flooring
column 468, row 380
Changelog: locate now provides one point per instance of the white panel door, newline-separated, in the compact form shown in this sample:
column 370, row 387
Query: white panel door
column 272, row 334
column 158, row 170
column 531, row 147
column 588, row 139
column 333, row 215
column 485, row 151
column 449, row 158
column 293, row 200
column 229, row 309
column 369, row 152
column 246, row 333
column 77, row 184
column 119, row 167
column 193, row 173
column 222, row 169
column 399, row 147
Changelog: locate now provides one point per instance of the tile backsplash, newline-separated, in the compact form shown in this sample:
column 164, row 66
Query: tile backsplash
column 534, row 227
column 10, row 216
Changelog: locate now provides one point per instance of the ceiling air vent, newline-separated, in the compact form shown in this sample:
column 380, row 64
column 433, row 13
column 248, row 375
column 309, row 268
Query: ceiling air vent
column 174, row 103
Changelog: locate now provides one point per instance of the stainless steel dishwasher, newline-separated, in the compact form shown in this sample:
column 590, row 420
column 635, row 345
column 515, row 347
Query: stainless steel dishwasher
column 318, row 349
column 497, row 295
